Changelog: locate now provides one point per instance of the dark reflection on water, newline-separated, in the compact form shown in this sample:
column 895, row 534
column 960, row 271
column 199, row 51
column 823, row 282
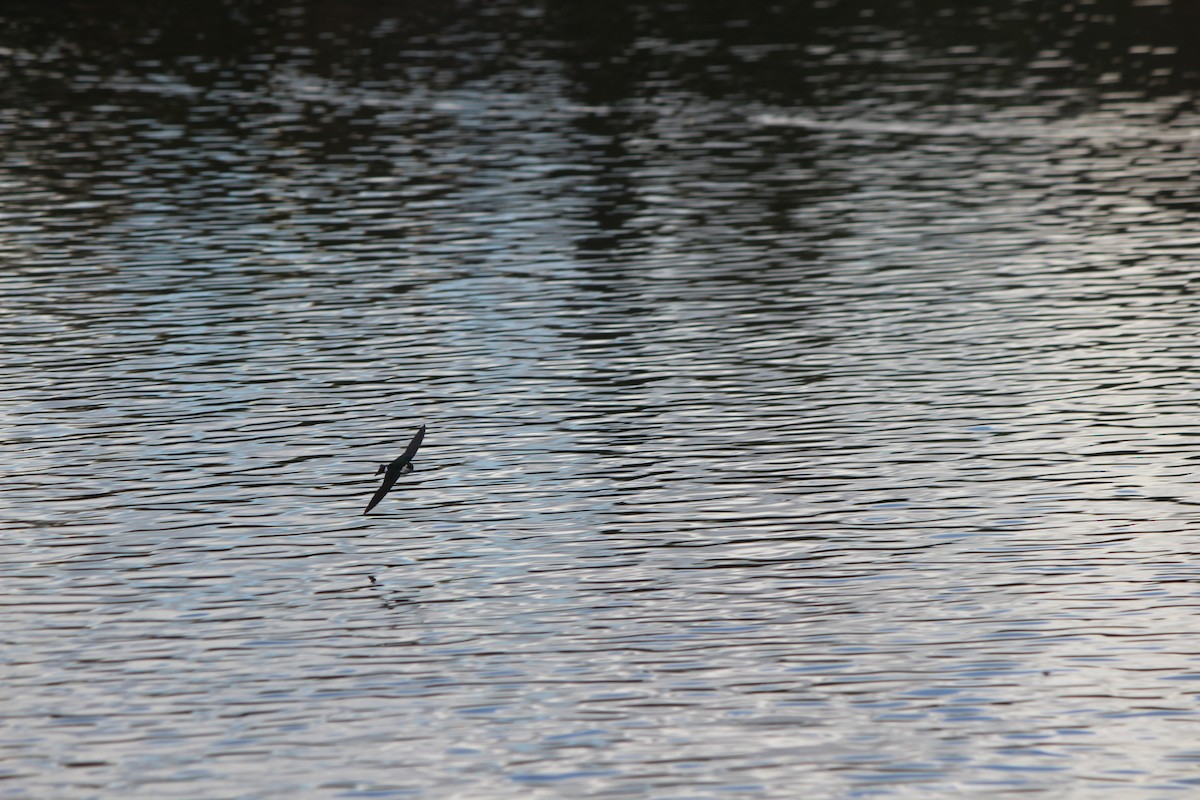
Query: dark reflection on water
column 810, row 390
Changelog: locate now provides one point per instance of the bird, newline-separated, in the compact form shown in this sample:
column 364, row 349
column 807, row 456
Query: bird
column 392, row 472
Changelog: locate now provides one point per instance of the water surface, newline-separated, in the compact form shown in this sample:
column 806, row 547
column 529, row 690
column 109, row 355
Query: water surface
column 811, row 401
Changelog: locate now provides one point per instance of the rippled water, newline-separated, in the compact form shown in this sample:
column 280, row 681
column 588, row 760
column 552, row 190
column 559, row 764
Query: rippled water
column 811, row 395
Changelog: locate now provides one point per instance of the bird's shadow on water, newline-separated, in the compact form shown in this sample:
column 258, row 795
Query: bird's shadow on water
column 392, row 599
column 368, row 586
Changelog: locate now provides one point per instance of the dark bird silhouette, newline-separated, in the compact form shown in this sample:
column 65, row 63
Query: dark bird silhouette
column 393, row 471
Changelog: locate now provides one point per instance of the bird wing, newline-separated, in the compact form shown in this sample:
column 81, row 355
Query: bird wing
column 412, row 448
column 389, row 480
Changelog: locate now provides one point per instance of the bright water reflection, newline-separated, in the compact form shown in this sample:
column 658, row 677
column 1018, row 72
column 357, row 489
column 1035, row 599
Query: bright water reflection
column 817, row 436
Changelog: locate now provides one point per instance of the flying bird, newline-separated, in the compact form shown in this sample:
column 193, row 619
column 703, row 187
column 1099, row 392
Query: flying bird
column 393, row 471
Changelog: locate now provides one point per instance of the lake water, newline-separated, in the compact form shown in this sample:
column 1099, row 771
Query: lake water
column 813, row 400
